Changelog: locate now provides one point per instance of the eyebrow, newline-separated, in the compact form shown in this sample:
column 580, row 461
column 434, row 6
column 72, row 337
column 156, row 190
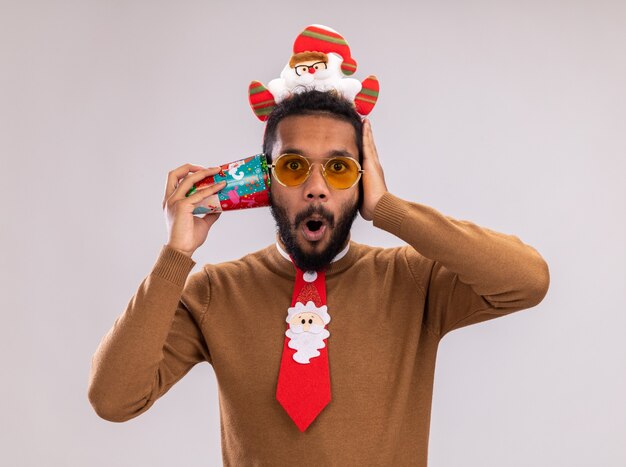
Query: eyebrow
column 333, row 153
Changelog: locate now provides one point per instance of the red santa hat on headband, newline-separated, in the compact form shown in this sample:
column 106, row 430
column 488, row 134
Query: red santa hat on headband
column 318, row 38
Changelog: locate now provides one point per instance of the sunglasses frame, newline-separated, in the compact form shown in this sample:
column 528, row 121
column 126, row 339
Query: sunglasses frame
column 272, row 166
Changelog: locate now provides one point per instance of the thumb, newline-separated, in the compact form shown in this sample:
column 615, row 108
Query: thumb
column 211, row 218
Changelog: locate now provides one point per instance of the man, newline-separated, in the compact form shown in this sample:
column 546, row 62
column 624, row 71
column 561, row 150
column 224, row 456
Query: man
column 389, row 307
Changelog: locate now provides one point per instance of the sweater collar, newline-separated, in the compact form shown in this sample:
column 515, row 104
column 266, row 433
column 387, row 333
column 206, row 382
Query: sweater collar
column 275, row 261
column 339, row 255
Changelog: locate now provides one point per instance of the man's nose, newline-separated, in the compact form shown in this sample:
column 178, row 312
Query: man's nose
column 311, row 70
column 316, row 187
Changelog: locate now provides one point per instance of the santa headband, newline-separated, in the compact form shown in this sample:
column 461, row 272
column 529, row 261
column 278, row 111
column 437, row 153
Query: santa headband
column 321, row 60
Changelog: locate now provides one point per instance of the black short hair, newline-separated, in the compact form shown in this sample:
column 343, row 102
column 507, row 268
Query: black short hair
column 312, row 102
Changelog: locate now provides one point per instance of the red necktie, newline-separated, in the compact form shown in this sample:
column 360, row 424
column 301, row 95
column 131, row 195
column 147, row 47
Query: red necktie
column 304, row 379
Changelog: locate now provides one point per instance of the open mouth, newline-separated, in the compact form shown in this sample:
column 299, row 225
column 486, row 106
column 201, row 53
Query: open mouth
column 314, row 226
column 313, row 229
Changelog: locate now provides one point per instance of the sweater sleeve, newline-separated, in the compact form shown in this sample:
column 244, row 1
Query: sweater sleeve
column 154, row 343
column 474, row 273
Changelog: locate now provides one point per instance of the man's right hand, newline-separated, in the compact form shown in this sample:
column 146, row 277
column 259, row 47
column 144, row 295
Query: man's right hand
column 186, row 231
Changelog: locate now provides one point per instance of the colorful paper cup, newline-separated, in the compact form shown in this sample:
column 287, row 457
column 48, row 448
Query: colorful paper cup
column 247, row 186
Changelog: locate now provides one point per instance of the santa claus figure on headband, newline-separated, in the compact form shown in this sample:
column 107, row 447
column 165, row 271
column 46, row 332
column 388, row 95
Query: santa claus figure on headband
column 321, row 60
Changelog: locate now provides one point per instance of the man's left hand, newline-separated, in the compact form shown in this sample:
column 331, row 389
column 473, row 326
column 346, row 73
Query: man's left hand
column 374, row 186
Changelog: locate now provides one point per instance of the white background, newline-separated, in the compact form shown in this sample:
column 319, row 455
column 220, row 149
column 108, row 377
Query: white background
column 511, row 114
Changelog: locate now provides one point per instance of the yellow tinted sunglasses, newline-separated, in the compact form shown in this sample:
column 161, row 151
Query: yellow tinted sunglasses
column 339, row 172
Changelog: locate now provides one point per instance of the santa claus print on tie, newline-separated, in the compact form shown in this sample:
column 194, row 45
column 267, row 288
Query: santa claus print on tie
column 306, row 331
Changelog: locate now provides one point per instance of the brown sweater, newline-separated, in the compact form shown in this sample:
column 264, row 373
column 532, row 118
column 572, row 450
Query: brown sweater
column 389, row 307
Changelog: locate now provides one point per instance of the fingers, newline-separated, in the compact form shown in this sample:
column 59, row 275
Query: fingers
column 205, row 192
column 175, row 189
column 175, row 175
column 369, row 148
column 190, row 180
column 196, row 197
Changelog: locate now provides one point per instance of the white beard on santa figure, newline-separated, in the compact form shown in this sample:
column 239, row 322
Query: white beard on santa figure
column 306, row 343
column 322, row 80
